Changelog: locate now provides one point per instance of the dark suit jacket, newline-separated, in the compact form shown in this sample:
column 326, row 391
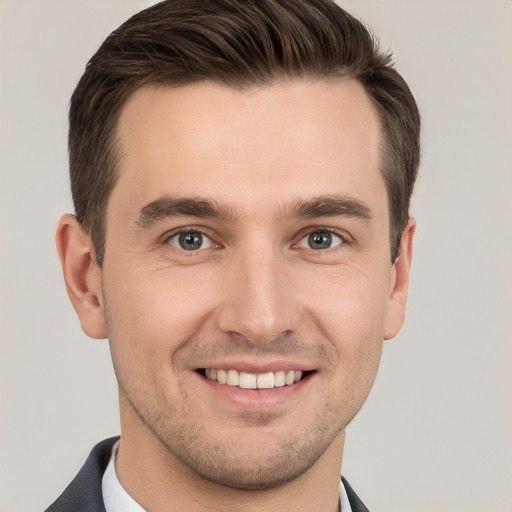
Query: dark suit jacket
column 84, row 494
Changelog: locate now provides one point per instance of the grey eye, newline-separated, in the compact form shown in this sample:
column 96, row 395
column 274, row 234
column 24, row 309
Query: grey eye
column 190, row 241
column 320, row 240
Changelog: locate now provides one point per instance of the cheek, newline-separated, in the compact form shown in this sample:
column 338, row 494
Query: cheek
column 155, row 312
column 350, row 310
column 348, row 292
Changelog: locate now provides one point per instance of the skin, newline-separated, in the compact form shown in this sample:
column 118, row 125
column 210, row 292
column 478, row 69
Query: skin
column 255, row 296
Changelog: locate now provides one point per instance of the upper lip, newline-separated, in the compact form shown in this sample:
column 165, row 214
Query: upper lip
column 258, row 366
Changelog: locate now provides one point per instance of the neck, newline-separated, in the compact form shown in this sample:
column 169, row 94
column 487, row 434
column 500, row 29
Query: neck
column 157, row 480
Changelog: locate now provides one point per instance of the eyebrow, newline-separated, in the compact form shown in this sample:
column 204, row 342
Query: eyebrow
column 319, row 206
column 329, row 206
column 169, row 207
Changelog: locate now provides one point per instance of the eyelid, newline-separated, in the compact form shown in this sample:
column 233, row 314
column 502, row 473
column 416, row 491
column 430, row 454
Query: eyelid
column 188, row 229
column 302, row 235
column 344, row 237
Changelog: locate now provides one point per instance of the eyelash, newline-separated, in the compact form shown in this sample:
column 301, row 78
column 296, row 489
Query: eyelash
column 304, row 235
column 191, row 230
column 344, row 239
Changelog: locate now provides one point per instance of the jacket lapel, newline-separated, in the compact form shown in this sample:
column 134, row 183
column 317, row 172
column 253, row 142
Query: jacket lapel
column 84, row 493
column 356, row 504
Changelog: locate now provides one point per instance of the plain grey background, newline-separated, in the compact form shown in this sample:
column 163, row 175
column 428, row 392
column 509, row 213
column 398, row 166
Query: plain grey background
column 436, row 432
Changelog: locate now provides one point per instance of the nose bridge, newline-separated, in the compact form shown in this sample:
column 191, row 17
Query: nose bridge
column 259, row 302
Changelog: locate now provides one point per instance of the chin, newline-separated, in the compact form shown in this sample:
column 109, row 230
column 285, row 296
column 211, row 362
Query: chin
column 254, row 464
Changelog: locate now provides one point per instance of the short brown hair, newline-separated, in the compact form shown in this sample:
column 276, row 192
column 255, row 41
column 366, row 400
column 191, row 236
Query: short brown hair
column 238, row 43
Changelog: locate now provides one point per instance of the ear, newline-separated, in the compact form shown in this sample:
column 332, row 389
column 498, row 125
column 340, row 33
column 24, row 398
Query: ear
column 82, row 275
column 399, row 283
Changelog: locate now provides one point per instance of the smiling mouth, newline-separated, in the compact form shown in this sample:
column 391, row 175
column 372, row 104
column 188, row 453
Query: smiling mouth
column 245, row 380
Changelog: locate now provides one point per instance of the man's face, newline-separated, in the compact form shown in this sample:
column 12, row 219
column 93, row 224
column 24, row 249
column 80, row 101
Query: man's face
column 247, row 235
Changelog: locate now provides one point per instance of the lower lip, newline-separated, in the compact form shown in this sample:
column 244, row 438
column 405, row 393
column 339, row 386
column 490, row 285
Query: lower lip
column 258, row 400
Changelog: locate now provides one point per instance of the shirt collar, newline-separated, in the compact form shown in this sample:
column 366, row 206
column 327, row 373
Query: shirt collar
column 115, row 498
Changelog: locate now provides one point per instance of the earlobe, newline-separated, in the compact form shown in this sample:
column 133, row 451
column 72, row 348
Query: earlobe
column 399, row 287
column 81, row 275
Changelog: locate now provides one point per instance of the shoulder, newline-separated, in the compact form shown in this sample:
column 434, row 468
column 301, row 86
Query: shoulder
column 84, row 492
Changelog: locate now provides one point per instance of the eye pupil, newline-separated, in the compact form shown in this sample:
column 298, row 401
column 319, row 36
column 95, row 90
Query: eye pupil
column 190, row 241
column 320, row 240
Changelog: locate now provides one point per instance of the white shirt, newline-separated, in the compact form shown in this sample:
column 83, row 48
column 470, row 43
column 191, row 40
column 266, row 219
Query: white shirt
column 116, row 499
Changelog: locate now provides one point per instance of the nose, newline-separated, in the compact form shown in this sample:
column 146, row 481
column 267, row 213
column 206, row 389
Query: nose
column 259, row 300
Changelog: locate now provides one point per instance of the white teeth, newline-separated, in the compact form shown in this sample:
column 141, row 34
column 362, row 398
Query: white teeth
column 233, row 378
column 279, row 379
column 266, row 380
column 247, row 380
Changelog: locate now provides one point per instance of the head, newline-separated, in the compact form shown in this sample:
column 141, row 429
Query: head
column 241, row 173
column 253, row 44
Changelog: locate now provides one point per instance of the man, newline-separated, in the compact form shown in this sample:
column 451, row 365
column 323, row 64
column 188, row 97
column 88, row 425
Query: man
column 241, row 173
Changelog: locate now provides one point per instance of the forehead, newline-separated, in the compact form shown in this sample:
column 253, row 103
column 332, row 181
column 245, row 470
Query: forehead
column 249, row 147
